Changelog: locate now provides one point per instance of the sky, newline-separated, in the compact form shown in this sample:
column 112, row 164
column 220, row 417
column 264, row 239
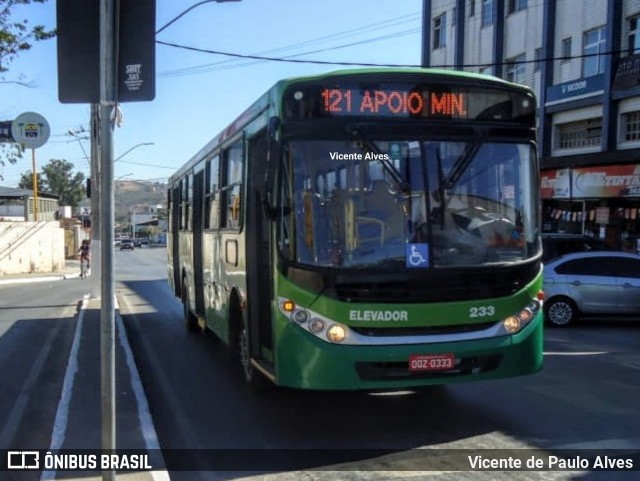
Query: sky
column 198, row 94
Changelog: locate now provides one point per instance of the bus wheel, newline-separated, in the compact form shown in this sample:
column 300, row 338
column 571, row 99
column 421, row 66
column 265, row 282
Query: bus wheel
column 253, row 377
column 190, row 321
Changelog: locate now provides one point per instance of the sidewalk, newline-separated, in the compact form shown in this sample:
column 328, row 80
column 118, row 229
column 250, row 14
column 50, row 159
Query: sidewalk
column 70, row 271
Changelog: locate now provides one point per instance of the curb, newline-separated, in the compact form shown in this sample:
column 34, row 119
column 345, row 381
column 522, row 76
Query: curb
column 25, row 280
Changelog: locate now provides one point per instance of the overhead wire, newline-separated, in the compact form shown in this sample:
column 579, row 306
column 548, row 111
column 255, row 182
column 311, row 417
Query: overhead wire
column 373, row 64
column 233, row 62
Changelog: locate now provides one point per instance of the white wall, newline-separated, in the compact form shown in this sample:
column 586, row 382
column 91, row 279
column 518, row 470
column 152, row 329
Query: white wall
column 27, row 247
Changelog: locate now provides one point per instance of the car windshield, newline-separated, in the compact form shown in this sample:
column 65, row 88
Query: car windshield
column 414, row 204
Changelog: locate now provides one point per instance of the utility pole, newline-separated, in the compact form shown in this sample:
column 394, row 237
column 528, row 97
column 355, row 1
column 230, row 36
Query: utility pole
column 107, row 75
column 94, row 175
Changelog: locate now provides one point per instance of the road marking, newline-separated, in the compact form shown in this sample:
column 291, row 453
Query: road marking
column 144, row 415
column 62, row 413
column 583, row 353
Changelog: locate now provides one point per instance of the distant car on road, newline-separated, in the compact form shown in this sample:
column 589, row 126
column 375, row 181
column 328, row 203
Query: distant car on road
column 126, row 244
column 589, row 284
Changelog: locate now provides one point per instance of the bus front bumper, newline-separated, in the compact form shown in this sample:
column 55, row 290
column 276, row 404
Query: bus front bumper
column 306, row 362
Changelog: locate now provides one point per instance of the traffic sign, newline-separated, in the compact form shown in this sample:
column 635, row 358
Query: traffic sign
column 31, row 130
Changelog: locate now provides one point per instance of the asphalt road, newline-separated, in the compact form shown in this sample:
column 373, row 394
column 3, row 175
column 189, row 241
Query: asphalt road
column 37, row 323
column 585, row 398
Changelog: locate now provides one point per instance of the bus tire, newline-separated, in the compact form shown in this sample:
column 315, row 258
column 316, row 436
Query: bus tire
column 254, row 379
column 190, row 321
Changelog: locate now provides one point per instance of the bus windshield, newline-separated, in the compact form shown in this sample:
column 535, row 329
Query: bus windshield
column 367, row 203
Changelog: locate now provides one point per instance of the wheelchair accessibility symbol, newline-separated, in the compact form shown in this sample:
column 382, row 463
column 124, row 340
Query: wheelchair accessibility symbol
column 417, row 256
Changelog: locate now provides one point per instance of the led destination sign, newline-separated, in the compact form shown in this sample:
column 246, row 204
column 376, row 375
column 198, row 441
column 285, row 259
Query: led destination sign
column 392, row 102
column 407, row 100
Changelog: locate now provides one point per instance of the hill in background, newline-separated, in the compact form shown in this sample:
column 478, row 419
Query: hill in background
column 138, row 195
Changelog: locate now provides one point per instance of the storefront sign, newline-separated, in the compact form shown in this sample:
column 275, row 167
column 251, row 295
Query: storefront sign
column 555, row 184
column 591, row 182
column 606, row 181
column 574, row 88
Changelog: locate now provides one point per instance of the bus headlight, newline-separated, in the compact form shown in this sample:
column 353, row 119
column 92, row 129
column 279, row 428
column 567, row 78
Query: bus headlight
column 517, row 322
column 300, row 316
column 337, row 333
column 511, row 324
column 323, row 328
column 316, row 325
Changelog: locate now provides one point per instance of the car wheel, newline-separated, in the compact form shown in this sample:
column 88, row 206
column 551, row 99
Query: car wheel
column 560, row 311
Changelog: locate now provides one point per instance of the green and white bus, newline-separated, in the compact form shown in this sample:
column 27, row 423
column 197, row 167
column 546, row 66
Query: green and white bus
column 367, row 229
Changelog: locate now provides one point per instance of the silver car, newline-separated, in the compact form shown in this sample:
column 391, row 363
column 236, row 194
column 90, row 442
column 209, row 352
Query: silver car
column 591, row 283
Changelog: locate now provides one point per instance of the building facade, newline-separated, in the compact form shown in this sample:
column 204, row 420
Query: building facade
column 582, row 59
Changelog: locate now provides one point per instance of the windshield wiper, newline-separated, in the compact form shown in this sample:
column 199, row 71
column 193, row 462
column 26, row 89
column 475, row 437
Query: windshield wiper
column 462, row 162
column 401, row 184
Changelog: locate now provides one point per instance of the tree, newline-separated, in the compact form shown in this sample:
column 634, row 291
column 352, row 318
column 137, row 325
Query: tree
column 26, row 181
column 16, row 36
column 11, row 153
column 57, row 178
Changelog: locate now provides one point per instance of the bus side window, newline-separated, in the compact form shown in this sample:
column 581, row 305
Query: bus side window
column 212, row 201
column 232, row 177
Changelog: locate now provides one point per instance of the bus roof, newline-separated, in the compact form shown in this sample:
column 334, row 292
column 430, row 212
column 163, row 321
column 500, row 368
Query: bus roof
column 280, row 86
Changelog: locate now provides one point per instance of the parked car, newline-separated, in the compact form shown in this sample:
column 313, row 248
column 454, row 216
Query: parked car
column 555, row 245
column 589, row 284
column 126, row 244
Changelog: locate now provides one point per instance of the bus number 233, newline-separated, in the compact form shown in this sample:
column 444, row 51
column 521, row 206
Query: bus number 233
column 481, row 311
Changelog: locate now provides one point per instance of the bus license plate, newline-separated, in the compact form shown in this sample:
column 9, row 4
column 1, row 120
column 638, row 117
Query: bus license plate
column 432, row 362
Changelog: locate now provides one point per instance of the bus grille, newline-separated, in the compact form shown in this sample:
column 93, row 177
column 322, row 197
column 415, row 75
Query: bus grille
column 443, row 286
column 420, row 331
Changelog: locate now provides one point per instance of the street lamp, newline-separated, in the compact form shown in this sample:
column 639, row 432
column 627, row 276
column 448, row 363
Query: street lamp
column 132, row 148
column 170, row 22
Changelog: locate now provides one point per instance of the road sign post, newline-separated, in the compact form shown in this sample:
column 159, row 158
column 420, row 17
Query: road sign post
column 31, row 130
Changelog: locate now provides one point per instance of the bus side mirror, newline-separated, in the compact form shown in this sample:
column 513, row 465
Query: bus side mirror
column 272, row 128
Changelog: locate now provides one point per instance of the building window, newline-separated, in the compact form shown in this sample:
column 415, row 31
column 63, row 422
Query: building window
column 517, row 5
column 631, row 126
column 566, row 49
column 487, row 70
column 515, row 69
column 584, row 133
column 594, row 49
column 537, row 65
column 487, row 13
column 634, row 36
column 440, row 31
column 472, row 8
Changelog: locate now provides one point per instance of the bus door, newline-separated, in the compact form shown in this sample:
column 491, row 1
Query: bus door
column 198, row 225
column 258, row 250
column 175, row 238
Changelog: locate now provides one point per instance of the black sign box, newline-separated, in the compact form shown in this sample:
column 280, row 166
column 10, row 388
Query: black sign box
column 78, row 28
